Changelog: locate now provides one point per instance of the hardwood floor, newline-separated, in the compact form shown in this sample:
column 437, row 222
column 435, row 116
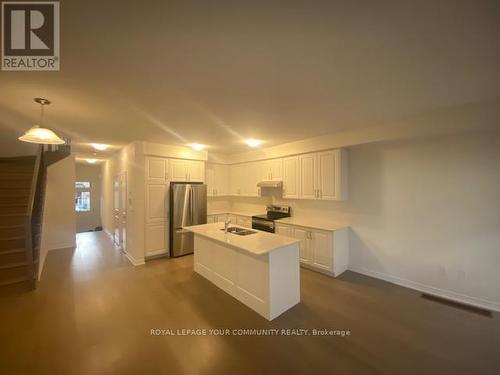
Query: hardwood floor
column 93, row 312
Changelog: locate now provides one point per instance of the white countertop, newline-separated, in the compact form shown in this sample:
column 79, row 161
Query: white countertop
column 257, row 243
column 238, row 213
column 312, row 223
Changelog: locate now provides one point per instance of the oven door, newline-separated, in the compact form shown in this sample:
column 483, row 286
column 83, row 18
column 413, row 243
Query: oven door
column 261, row 224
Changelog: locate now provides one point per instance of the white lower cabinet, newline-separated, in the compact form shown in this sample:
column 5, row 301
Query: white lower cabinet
column 156, row 239
column 324, row 251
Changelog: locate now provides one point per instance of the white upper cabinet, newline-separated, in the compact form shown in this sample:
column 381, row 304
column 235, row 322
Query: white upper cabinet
column 235, row 179
column 187, row 170
column 327, row 175
column 291, row 177
column 307, row 176
column 221, row 179
column 178, row 170
column 157, row 170
column 210, row 179
column 217, row 179
column 323, row 175
column 252, row 176
column 195, row 171
column 244, row 178
column 271, row 170
column 317, row 175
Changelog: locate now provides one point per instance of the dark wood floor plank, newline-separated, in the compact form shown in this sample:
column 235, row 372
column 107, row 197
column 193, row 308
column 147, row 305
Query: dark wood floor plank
column 92, row 314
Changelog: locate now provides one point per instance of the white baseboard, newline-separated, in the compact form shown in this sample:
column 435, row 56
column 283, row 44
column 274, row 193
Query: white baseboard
column 62, row 246
column 447, row 294
column 156, row 253
column 135, row 262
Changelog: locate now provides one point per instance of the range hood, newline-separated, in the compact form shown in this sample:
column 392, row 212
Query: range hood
column 270, row 184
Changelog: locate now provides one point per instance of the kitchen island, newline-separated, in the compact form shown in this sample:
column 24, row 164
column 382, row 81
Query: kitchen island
column 260, row 269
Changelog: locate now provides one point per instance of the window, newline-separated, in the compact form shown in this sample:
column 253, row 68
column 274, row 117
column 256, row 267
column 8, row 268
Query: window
column 82, row 199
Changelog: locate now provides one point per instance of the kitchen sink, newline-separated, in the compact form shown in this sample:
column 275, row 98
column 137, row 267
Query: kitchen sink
column 240, row 231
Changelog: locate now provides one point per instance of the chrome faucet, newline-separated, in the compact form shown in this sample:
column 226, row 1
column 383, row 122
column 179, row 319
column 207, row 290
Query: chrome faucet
column 226, row 224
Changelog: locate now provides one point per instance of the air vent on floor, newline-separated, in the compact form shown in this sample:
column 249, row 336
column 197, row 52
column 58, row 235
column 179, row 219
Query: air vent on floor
column 457, row 305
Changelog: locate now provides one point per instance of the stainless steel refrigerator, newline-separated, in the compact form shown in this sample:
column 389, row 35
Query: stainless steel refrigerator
column 188, row 206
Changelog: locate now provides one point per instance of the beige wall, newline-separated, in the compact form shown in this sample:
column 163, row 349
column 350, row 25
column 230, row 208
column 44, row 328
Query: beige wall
column 86, row 221
column 59, row 219
column 424, row 213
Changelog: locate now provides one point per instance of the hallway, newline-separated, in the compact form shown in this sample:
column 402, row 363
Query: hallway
column 93, row 312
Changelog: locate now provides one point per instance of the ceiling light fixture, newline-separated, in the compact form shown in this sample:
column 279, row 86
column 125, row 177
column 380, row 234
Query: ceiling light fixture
column 99, row 146
column 38, row 134
column 91, row 161
column 253, row 142
column 197, row 146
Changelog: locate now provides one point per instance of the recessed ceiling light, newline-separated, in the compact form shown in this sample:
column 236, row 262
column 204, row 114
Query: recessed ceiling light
column 99, row 146
column 91, row 161
column 197, row 146
column 253, row 142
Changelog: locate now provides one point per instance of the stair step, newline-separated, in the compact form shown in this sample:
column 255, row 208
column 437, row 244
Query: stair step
column 15, row 183
column 12, row 243
column 12, row 230
column 18, row 159
column 13, row 265
column 22, row 192
column 14, row 200
column 16, row 175
column 13, row 208
column 13, row 273
column 12, row 256
column 12, row 219
column 14, row 280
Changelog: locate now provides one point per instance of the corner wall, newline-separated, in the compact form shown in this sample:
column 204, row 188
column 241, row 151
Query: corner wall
column 59, row 219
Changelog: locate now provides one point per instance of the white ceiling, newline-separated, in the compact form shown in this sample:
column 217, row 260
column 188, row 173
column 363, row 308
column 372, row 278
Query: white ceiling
column 216, row 72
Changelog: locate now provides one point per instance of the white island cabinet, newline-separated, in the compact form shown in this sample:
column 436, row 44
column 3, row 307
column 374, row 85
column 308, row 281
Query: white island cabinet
column 261, row 270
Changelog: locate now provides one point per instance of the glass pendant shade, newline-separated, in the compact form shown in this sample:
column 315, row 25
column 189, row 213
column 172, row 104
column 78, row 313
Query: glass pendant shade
column 41, row 136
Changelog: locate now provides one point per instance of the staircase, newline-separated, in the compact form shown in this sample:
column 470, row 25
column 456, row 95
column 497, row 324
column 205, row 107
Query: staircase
column 22, row 194
column 16, row 175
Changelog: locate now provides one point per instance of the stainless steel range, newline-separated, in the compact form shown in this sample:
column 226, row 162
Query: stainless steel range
column 266, row 222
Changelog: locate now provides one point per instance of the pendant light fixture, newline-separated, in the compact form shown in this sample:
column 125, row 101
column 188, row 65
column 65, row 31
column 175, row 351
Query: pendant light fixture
column 38, row 134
